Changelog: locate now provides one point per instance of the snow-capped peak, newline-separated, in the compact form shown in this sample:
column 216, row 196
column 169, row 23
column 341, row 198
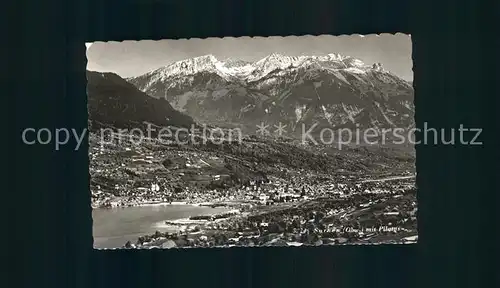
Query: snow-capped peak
column 191, row 66
column 273, row 61
column 335, row 56
column 277, row 61
column 377, row 67
column 353, row 62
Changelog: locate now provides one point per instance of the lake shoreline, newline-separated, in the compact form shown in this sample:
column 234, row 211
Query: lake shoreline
column 131, row 222
column 160, row 203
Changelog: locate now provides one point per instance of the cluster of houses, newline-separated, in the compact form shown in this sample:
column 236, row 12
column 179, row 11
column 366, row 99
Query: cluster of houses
column 378, row 217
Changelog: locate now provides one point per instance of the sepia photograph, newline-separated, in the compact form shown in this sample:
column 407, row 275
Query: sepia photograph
column 252, row 142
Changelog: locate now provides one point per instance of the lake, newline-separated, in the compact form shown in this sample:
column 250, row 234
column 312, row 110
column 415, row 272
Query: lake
column 113, row 227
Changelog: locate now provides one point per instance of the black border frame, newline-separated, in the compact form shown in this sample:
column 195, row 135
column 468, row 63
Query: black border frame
column 47, row 88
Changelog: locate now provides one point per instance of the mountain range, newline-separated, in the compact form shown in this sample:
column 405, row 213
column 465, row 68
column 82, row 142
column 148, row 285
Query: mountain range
column 331, row 91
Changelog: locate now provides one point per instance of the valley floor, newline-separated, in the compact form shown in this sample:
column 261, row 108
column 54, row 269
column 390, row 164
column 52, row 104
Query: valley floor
column 277, row 194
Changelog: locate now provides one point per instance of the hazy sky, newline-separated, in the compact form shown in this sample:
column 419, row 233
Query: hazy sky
column 133, row 58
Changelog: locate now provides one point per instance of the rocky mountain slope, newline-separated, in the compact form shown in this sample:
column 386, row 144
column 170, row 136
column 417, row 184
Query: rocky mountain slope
column 332, row 91
column 113, row 102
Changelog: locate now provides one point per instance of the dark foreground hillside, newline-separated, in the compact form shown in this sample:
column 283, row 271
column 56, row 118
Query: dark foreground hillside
column 113, row 102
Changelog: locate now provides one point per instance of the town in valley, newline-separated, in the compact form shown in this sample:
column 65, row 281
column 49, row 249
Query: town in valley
column 271, row 189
